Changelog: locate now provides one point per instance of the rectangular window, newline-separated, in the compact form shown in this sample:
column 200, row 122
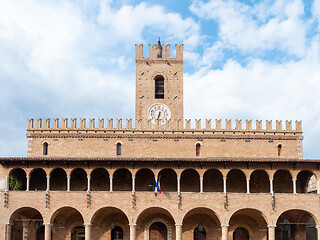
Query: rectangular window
column 159, row 88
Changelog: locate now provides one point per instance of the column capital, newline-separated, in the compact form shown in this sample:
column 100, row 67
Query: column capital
column 294, row 179
column 248, row 179
column 132, row 224
column 272, row 226
column 88, row 176
column 87, row 224
column 270, row 179
column 179, row 225
column 47, row 224
column 224, row 225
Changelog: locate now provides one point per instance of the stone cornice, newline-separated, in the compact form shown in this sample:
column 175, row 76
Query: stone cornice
column 164, row 135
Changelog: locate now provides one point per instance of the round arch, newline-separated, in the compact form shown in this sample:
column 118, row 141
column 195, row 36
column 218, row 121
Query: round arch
column 122, row 180
column 297, row 224
column 29, row 215
column 282, row 181
column 58, row 179
column 161, row 220
column 190, row 180
column 306, row 182
column 212, row 180
column 253, row 220
column 19, row 176
column 144, row 180
column 259, row 181
column 236, row 181
column 168, row 179
column 63, row 209
column 38, row 179
column 201, row 215
column 100, row 179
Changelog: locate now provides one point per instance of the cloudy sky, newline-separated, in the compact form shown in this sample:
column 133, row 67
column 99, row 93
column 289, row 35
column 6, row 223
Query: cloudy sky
column 244, row 59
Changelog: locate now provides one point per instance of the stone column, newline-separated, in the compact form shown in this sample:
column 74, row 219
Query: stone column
column 272, row 232
column 8, row 231
column 7, row 183
column 132, row 231
column 87, row 229
column 294, row 181
column 224, row 231
column 133, row 184
column 111, row 184
column 47, row 231
column 318, row 232
column 224, row 185
column 178, row 184
column 28, row 183
column 178, row 231
column 248, row 185
column 318, row 186
column 68, row 183
column 48, row 183
column 271, row 185
column 89, row 187
column 201, row 185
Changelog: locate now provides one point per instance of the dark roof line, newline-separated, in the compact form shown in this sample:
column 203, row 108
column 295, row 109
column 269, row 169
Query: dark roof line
column 157, row 159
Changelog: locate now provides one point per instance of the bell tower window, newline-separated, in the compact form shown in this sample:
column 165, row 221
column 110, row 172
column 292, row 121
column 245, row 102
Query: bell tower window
column 159, row 87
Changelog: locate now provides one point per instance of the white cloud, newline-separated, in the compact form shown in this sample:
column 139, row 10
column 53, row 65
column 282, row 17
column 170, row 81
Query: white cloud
column 130, row 22
column 252, row 28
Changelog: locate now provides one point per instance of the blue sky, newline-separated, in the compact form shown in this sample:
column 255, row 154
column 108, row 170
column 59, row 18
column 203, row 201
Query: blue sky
column 244, row 59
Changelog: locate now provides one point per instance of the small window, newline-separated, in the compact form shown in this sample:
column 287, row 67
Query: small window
column 279, row 150
column 198, row 148
column 45, row 148
column 159, row 87
column 118, row 149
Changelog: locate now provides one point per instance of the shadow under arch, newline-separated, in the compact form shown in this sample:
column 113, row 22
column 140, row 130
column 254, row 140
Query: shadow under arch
column 144, row 180
column 259, row 181
column 306, row 182
column 63, row 220
column 168, row 179
column 236, row 181
column 27, row 219
column 107, row 219
column 253, row 220
column 147, row 217
column 201, row 216
column 65, row 208
column 296, row 224
column 282, row 181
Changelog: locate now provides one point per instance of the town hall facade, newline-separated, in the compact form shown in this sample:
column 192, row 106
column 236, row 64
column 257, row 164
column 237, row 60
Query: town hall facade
column 159, row 176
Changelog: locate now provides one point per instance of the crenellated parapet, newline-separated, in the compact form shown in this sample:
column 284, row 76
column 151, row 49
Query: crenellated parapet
column 172, row 125
column 153, row 50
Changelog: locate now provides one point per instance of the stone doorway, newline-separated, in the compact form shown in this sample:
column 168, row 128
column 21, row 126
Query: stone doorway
column 158, row 231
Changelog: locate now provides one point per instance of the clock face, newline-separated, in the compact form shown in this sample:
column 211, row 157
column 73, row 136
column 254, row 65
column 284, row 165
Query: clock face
column 159, row 112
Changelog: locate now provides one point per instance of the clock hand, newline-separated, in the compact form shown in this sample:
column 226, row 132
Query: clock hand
column 159, row 115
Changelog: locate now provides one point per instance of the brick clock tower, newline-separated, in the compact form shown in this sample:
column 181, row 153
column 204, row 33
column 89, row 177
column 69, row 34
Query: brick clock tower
column 159, row 84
